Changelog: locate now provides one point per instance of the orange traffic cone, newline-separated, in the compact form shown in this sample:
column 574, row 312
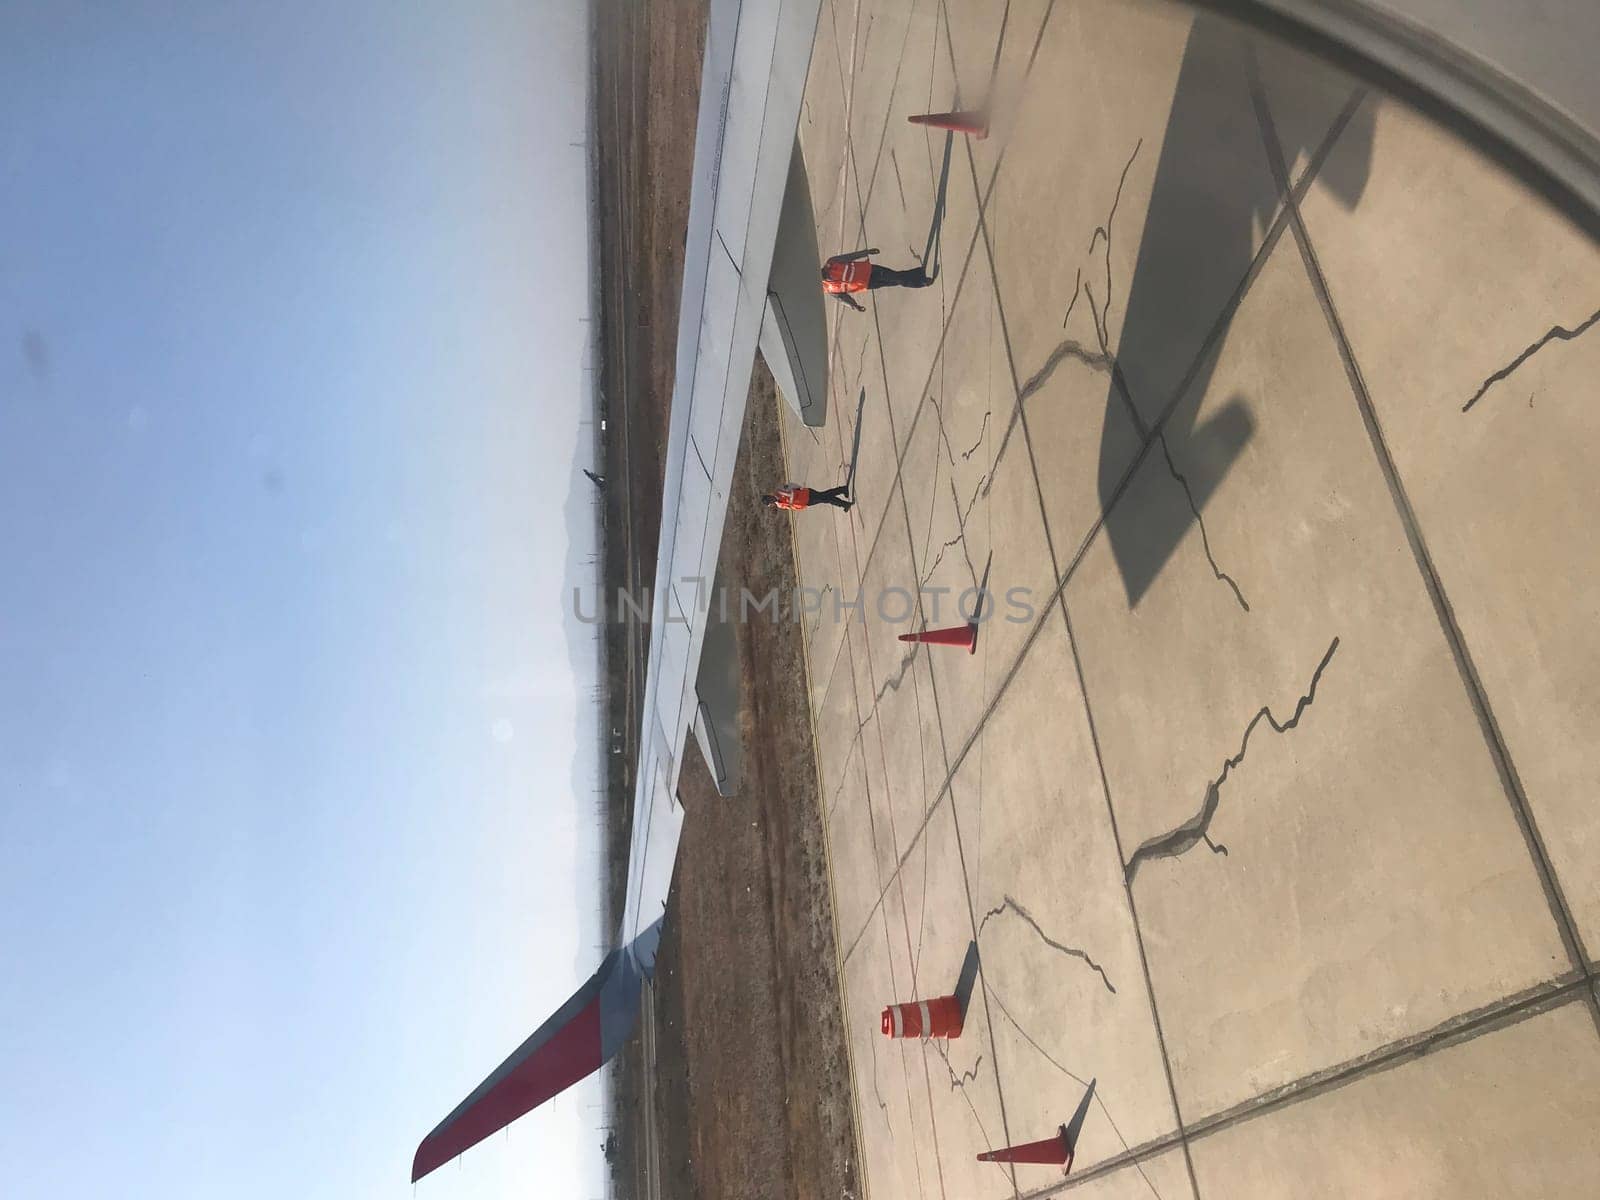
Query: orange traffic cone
column 1057, row 1151
column 939, row 1018
column 1052, row 1150
column 958, row 635
column 973, row 122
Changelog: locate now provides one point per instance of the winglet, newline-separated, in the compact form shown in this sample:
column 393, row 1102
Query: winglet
column 573, row 1044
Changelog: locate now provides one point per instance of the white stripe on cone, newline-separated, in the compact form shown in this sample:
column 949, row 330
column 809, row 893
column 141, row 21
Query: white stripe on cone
column 927, row 1018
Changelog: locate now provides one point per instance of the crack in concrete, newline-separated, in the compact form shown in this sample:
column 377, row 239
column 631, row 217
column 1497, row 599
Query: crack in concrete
column 1077, row 291
column 962, row 516
column 922, row 910
column 1071, row 348
column 861, row 366
column 1008, row 904
column 927, row 533
column 844, row 771
column 878, row 1091
column 1194, row 509
column 1197, row 828
column 963, row 513
column 957, row 1082
column 894, row 161
column 1102, row 315
column 1103, row 232
column 894, row 683
column 939, row 557
column 1555, row 333
column 816, row 624
column 966, row 455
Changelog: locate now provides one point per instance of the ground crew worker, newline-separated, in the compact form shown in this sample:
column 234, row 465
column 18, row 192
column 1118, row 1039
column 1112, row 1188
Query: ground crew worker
column 794, row 497
column 846, row 273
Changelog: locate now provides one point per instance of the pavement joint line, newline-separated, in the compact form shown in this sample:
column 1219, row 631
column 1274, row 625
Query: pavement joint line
column 883, row 130
column 1083, row 687
column 1458, row 1030
column 1466, row 668
column 827, row 847
column 933, row 682
column 846, row 160
column 1208, row 346
column 853, row 171
column 847, row 92
column 864, row 201
column 999, row 47
column 897, row 487
column 911, row 955
column 1133, row 906
column 888, row 944
column 963, row 512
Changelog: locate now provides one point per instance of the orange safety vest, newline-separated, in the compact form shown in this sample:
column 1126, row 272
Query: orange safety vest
column 793, row 497
column 840, row 277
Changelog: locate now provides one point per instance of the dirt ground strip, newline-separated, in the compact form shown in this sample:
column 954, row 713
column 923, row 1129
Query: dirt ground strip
column 752, row 1089
column 1268, row 795
column 750, row 982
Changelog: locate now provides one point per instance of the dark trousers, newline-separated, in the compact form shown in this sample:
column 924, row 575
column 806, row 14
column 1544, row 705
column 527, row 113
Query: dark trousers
column 912, row 277
column 834, row 496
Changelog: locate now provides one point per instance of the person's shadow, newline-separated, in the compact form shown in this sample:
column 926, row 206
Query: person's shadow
column 1213, row 192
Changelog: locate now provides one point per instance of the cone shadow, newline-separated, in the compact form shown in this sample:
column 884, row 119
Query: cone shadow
column 1075, row 1126
column 968, row 980
column 933, row 251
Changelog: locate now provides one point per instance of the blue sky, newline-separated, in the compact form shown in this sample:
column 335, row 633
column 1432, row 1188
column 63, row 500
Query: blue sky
column 292, row 806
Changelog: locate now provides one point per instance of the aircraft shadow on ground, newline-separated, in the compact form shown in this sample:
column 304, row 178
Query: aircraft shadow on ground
column 1213, row 193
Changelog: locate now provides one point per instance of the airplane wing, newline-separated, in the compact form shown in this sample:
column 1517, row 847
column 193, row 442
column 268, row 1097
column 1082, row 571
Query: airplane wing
column 757, row 55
